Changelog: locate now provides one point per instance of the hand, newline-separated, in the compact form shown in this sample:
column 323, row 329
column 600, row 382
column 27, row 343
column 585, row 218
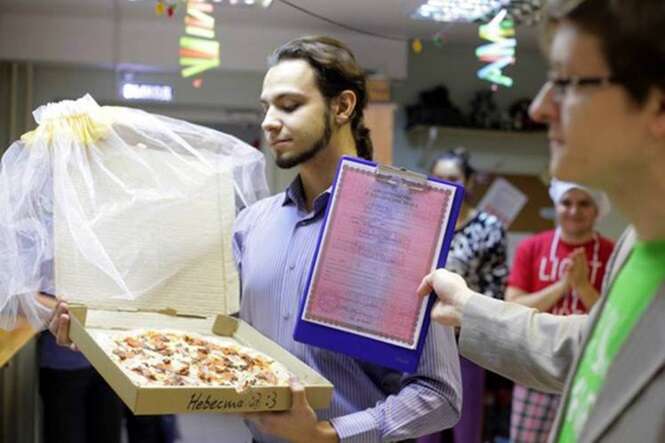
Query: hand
column 297, row 425
column 577, row 274
column 59, row 325
column 452, row 293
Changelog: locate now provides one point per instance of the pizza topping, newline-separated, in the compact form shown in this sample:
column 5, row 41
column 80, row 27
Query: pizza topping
column 134, row 343
column 174, row 359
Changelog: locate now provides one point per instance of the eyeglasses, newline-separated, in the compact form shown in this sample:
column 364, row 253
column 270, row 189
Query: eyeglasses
column 561, row 85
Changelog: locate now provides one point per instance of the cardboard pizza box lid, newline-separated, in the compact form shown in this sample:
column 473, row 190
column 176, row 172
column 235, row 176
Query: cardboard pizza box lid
column 176, row 253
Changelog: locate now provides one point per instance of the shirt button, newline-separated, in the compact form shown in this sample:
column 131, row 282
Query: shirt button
column 292, row 266
column 286, row 316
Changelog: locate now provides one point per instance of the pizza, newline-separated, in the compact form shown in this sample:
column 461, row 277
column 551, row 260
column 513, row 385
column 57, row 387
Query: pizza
column 172, row 358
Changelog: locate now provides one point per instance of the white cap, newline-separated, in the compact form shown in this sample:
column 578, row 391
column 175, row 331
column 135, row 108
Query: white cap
column 559, row 188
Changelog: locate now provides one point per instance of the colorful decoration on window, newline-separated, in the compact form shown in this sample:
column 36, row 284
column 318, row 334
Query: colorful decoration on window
column 199, row 51
column 165, row 7
column 417, row 45
column 500, row 52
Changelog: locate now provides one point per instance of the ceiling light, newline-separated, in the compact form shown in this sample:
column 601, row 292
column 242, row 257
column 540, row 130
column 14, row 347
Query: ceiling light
column 477, row 10
column 457, row 10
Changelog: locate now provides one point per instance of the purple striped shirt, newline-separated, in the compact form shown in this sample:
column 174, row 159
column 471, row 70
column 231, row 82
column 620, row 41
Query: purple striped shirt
column 273, row 243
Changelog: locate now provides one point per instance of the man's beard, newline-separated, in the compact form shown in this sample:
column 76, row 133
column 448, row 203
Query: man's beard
column 318, row 146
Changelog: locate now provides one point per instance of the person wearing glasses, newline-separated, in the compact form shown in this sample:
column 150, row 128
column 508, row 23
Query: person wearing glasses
column 557, row 271
column 605, row 106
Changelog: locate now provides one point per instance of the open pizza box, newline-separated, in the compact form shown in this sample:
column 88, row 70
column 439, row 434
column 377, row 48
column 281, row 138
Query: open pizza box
column 194, row 239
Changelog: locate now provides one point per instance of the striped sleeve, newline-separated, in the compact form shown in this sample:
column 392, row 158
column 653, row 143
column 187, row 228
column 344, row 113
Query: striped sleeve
column 428, row 401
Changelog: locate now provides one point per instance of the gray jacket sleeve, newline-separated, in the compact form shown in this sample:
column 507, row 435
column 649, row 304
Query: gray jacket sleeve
column 531, row 348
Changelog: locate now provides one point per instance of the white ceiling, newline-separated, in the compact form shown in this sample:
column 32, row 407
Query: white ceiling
column 389, row 18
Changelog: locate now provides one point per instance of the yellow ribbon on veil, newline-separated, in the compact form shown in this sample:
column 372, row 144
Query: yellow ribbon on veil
column 82, row 128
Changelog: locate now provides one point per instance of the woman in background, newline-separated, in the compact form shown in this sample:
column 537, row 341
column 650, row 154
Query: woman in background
column 477, row 253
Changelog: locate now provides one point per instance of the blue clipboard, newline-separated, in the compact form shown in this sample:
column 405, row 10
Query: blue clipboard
column 362, row 347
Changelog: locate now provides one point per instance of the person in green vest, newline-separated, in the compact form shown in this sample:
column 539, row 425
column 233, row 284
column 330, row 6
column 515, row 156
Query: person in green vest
column 604, row 103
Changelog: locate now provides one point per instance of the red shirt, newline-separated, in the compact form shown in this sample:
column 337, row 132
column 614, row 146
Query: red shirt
column 538, row 264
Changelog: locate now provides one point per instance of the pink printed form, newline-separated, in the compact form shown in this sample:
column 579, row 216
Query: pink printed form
column 380, row 243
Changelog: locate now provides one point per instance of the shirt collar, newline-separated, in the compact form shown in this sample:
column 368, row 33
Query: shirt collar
column 295, row 195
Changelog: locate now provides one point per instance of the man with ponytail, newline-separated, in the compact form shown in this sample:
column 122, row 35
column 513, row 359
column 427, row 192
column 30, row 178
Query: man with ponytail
column 313, row 96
